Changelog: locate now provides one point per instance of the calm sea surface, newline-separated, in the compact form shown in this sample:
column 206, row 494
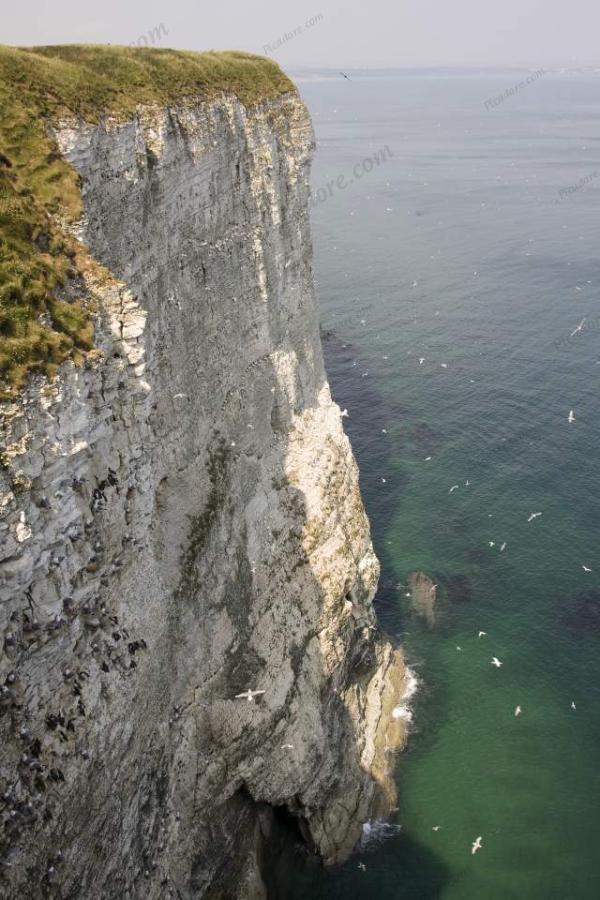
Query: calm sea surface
column 460, row 250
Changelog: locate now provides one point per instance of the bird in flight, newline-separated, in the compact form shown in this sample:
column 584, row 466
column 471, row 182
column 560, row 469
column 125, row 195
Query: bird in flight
column 533, row 516
column 503, row 547
column 345, row 76
column 482, row 634
column 518, row 711
column 492, row 543
column 573, row 704
column 476, row 845
column 578, row 329
column 495, row 662
column 344, row 414
column 362, row 866
column 571, row 416
column 287, row 746
column 421, row 360
column 585, row 568
column 436, row 827
column 453, row 488
column 248, row 695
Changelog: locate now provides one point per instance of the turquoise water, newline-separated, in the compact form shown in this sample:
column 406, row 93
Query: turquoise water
column 460, row 250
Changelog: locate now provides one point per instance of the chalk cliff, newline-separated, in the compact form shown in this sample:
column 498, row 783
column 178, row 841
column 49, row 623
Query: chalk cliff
column 181, row 521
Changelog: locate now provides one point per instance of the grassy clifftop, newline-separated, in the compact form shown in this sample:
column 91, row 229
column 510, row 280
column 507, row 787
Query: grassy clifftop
column 41, row 323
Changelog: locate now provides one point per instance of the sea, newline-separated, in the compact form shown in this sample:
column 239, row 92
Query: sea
column 456, row 230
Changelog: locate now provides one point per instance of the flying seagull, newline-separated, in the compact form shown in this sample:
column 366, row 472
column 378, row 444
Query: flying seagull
column 533, row 516
column 287, row 746
column 482, row 634
column 585, row 568
column 578, row 329
column 492, row 543
column 345, row 76
column 573, row 704
column 344, row 413
column 495, row 662
column 518, row 711
column 453, row 488
column 248, row 695
column 436, row 827
column 571, row 416
column 476, row 845
column 503, row 547
column 362, row 866
column 421, row 360
column 178, row 396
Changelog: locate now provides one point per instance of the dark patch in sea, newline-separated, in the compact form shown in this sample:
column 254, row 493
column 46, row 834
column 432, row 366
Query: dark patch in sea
column 456, row 588
column 477, row 554
column 425, row 438
column 581, row 614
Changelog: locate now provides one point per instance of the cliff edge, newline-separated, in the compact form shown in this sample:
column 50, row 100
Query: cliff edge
column 180, row 512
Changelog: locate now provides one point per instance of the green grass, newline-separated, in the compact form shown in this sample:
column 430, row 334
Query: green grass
column 40, row 263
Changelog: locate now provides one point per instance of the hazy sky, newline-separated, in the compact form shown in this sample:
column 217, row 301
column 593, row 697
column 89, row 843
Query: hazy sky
column 353, row 33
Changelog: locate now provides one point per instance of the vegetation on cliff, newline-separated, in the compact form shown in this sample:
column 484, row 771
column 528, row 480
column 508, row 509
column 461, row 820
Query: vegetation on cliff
column 44, row 317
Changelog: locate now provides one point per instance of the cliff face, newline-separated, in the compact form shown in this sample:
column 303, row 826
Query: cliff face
column 181, row 521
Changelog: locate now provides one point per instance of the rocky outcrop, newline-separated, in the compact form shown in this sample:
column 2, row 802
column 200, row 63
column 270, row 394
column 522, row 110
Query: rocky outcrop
column 181, row 521
column 423, row 595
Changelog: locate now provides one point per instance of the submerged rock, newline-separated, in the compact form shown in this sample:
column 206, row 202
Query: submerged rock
column 581, row 614
column 423, row 594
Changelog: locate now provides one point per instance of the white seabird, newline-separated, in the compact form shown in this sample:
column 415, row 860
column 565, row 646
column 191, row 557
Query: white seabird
column 585, row 568
column 495, row 662
column 453, row 488
column 518, row 711
column 578, row 329
column 481, row 634
column 571, row 416
column 344, row 414
column 476, row 845
column 533, row 516
column 248, row 695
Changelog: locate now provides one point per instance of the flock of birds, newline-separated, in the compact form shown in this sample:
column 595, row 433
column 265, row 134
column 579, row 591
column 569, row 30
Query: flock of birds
column 497, row 663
